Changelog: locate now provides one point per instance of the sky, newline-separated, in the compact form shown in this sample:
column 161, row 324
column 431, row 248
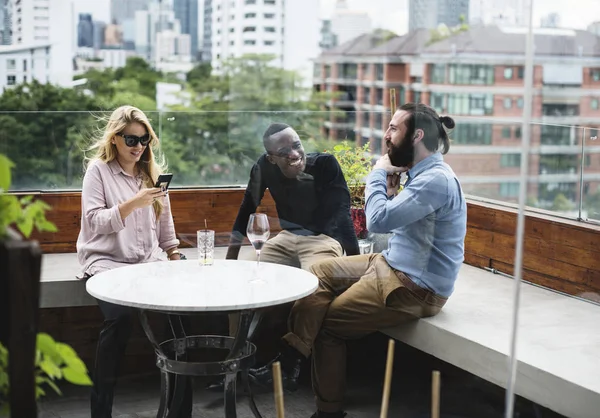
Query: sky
column 393, row 14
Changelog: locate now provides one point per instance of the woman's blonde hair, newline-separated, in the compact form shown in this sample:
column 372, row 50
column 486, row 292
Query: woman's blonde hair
column 104, row 150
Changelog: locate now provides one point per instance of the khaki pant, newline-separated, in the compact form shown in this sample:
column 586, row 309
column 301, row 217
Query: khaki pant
column 356, row 296
column 296, row 251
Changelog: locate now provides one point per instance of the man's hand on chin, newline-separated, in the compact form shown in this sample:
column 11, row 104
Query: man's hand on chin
column 385, row 163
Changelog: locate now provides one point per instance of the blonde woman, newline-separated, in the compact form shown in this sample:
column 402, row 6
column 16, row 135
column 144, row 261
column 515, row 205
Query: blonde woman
column 124, row 221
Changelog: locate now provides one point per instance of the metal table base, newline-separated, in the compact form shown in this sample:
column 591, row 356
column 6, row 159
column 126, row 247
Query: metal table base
column 171, row 359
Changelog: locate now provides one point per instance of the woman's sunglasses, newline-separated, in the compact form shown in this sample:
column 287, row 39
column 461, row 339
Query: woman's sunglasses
column 132, row 140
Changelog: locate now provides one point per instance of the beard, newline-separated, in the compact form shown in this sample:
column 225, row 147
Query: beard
column 401, row 155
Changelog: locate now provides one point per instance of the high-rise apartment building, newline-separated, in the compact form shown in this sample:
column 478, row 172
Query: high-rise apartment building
column 186, row 11
column 36, row 22
column 125, row 9
column 287, row 30
column 428, row 14
column 484, row 92
column 85, row 31
column 99, row 29
column 206, row 55
column 5, row 22
column 347, row 24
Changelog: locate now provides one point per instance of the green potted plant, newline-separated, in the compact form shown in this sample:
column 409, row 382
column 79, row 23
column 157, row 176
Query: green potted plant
column 356, row 164
column 38, row 361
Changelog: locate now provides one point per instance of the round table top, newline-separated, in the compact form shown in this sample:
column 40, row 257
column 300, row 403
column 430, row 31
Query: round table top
column 187, row 286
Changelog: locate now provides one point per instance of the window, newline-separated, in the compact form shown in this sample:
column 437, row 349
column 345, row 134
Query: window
column 558, row 164
column 249, row 15
column 24, row 65
column 437, row 102
column 555, row 135
column 588, row 160
column 520, row 103
column 506, row 132
column 438, row 73
column 596, row 74
column 250, row 29
column 507, row 103
column 521, row 72
column 379, row 72
column 594, row 104
column 470, row 104
column 366, row 95
column 366, row 120
column 11, row 64
column 270, row 29
column 472, row 134
column 269, row 43
column 510, row 160
column 348, row 71
column 471, row 74
column 379, row 96
column 231, row 30
column 269, row 15
column 249, row 42
column 508, row 73
column 232, row 43
column 269, row 1
column 11, row 80
column 518, row 132
column 250, row 1
column 24, row 79
column 509, row 189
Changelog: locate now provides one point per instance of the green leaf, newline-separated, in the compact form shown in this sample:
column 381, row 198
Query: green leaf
column 5, row 165
column 70, row 357
column 51, row 369
column 47, row 346
column 25, row 225
column 39, row 392
column 77, row 377
column 41, row 380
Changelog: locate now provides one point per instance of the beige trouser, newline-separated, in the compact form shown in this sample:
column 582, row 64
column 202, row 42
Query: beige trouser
column 356, row 296
column 296, row 251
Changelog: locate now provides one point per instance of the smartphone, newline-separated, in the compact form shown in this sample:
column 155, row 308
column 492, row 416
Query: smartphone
column 163, row 181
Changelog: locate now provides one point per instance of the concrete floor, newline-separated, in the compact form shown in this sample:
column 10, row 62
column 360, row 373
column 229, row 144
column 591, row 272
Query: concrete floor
column 463, row 395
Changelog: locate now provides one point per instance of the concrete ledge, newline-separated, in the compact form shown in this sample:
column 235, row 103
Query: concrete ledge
column 558, row 340
column 60, row 288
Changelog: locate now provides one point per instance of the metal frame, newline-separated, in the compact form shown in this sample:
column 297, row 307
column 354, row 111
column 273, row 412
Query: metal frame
column 171, row 359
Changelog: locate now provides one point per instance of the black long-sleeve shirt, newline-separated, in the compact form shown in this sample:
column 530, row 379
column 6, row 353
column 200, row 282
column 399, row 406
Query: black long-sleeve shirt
column 317, row 202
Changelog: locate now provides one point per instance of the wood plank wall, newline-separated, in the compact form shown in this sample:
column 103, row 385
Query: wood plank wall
column 559, row 254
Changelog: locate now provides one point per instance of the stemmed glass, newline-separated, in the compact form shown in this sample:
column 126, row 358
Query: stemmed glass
column 258, row 232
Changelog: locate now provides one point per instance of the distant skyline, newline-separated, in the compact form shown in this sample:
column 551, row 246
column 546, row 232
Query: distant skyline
column 393, row 14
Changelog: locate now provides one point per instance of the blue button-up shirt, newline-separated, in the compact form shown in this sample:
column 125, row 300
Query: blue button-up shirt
column 428, row 219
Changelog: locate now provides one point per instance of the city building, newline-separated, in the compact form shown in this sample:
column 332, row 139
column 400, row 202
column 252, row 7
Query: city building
column 186, row 11
column 429, row 14
column 121, row 10
column 5, row 22
column 551, row 20
column 36, row 22
column 477, row 77
column 594, row 28
column 173, row 51
column 25, row 63
column 148, row 23
column 85, row 31
column 99, row 30
column 206, row 51
column 347, row 24
column 328, row 38
column 287, row 30
column 113, row 35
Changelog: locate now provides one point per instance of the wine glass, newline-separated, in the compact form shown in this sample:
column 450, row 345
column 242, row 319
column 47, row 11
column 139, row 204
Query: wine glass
column 258, row 232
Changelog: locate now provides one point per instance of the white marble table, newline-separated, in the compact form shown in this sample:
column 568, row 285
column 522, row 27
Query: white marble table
column 186, row 287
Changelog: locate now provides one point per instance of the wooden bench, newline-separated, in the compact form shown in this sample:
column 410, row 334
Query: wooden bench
column 558, row 346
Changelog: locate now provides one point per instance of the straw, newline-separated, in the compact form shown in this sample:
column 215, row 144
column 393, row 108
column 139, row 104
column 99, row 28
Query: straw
column 435, row 394
column 278, row 389
column 392, row 101
column 205, row 225
column 387, row 383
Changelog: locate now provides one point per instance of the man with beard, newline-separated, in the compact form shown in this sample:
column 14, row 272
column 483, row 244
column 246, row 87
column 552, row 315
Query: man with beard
column 412, row 279
column 313, row 206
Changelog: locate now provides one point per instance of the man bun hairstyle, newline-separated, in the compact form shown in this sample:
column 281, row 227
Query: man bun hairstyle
column 433, row 126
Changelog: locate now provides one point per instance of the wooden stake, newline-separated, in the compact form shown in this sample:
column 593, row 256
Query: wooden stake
column 435, row 394
column 387, row 383
column 278, row 389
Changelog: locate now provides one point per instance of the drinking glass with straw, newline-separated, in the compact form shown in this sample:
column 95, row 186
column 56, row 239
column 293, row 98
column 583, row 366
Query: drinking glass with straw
column 206, row 245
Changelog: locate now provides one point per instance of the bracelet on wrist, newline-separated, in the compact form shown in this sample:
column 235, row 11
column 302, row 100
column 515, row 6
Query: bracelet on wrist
column 173, row 252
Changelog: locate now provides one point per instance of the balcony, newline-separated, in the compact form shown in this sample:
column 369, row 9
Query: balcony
column 211, row 166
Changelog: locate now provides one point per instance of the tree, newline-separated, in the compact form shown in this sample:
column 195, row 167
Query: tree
column 218, row 138
column 46, row 136
column 562, row 204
